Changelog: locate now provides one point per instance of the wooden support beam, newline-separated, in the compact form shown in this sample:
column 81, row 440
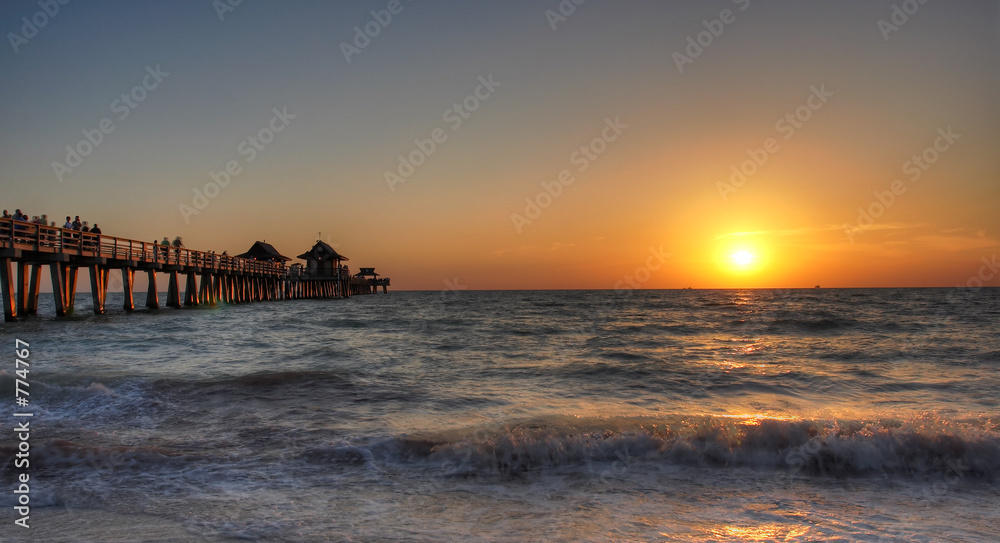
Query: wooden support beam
column 96, row 287
column 173, row 292
column 128, row 279
column 58, row 287
column 191, row 290
column 217, row 288
column 152, row 296
column 33, row 288
column 22, row 288
column 203, row 290
column 7, row 280
column 72, row 274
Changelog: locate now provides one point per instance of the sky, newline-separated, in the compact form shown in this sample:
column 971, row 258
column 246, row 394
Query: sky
column 523, row 144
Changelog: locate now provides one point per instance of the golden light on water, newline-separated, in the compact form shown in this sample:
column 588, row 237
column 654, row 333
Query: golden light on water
column 754, row 419
column 764, row 532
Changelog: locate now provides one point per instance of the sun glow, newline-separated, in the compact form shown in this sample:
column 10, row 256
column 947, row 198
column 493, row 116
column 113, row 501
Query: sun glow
column 742, row 258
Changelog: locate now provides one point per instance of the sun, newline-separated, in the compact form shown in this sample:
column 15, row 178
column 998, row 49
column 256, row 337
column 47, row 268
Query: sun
column 742, row 258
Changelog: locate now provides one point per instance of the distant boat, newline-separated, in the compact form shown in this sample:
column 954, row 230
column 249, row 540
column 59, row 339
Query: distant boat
column 817, row 286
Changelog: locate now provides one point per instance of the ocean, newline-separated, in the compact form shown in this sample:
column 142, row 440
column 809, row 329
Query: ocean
column 681, row 415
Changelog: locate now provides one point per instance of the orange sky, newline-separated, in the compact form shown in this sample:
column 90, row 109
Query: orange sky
column 822, row 111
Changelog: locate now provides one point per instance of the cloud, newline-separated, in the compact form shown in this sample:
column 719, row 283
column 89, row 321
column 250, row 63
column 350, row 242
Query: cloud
column 806, row 230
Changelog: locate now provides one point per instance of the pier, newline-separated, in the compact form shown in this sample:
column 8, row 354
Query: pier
column 26, row 248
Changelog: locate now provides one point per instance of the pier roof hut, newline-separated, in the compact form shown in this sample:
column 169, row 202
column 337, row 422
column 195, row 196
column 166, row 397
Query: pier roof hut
column 322, row 259
column 265, row 252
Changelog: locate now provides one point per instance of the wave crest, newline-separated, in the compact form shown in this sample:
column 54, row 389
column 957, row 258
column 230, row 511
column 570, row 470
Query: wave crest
column 919, row 447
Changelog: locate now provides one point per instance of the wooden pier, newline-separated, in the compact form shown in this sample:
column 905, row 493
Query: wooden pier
column 367, row 281
column 209, row 278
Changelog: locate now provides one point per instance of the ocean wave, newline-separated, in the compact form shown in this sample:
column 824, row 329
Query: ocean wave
column 920, row 447
column 62, row 455
column 346, row 323
column 822, row 324
column 263, row 380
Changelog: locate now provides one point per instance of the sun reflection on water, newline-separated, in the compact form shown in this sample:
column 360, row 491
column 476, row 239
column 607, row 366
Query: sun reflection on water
column 763, row 532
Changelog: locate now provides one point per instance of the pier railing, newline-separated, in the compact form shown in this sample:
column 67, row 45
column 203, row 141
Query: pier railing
column 27, row 236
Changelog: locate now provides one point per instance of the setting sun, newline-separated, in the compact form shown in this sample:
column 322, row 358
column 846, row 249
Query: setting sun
column 742, row 258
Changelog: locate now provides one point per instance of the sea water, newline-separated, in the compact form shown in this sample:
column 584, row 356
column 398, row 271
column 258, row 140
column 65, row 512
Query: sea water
column 719, row 415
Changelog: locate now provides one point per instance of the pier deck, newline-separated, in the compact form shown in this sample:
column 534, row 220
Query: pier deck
column 210, row 278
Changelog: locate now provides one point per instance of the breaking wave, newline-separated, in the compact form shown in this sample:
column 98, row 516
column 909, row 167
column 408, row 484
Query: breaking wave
column 921, row 446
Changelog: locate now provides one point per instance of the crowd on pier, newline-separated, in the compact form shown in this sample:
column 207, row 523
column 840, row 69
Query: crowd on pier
column 77, row 225
column 43, row 220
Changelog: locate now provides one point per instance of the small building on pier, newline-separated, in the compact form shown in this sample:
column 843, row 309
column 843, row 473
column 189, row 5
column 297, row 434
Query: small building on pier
column 264, row 252
column 322, row 260
column 367, row 281
column 323, row 275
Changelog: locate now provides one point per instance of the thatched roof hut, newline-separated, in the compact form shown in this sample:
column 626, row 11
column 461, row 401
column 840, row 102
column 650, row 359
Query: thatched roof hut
column 264, row 251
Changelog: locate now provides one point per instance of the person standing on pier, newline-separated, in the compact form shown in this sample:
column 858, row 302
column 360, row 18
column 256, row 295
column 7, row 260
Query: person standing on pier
column 84, row 243
column 165, row 244
column 76, row 223
column 178, row 243
column 97, row 238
